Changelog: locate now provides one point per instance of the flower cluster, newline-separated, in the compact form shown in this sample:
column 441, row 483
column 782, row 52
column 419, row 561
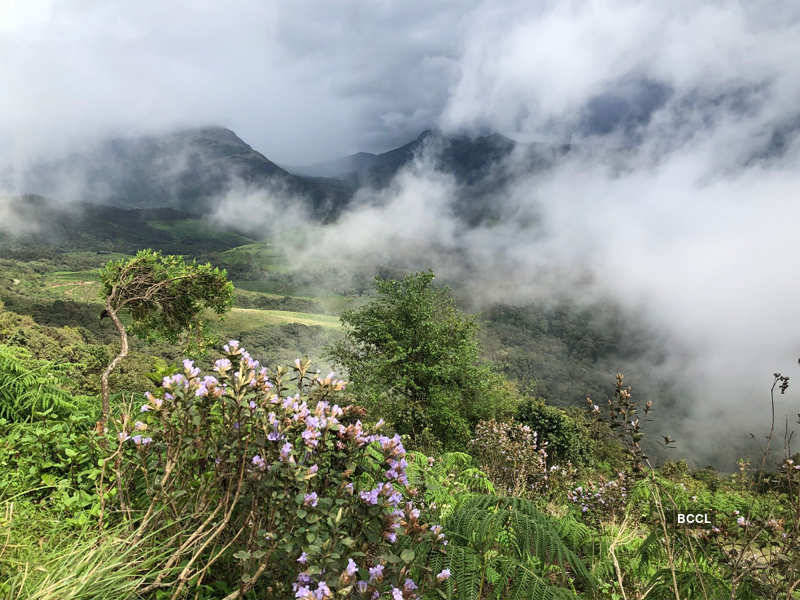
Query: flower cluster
column 601, row 499
column 512, row 455
column 318, row 484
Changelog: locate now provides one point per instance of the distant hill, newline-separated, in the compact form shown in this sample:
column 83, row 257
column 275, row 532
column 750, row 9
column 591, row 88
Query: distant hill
column 90, row 227
column 190, row 170
column 186, row 170
column 468, row 158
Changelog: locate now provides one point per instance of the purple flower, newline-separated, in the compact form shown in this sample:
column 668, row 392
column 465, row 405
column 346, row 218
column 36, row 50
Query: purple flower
column 322, row 591
column 397, row 594
column 222, row 365
column 252, row 405
column 370, row 497
column 146, row 441
column 443, row 575
column 136, row 439
column 123, row 437
column 232, row 347
column 351, row 567
column 303, row 558
column 285, row 451
column 190, row 369
column 259, row 462
column 390, row 536
column 313, row 469
column 274, row 435
column 362, row 586
column 144, row 408
column 409, row 585
column 310, row 499
column 303, row 593
column 376, row 573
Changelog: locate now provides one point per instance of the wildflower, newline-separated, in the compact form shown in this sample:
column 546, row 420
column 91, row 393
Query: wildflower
column 409, row 585
column 144, row 408
column 136, row 439
column 322, row 591
column 443, row 575
column 222, row 365
column 397, row 594
column 742, row 522
column 376, row 573
column 390, row 536
column 190, row 369
column 310, row 499
column 259, row 462
column 139, row 426
column 146, row 441
column 285, row 452
column 303, row 558
column 123, row 437
column 351, row 567
column 252, row 405
column 232, row 347
column 313, row 469
column 304, row 593
column 362, row 586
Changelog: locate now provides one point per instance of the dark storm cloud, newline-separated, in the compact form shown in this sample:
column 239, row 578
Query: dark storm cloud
column 301, row 81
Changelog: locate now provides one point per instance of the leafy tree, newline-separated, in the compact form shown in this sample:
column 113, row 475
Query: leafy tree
column 415, row 355
column 566, row 439
column 163, row 295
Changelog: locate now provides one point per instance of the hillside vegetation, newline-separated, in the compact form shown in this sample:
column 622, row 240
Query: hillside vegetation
column 441, row 470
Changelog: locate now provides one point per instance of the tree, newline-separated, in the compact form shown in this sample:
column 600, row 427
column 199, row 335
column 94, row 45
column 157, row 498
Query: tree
column 164, row 296
column 415, row 355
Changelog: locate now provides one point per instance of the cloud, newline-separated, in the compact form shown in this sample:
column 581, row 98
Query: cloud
column 677, row 197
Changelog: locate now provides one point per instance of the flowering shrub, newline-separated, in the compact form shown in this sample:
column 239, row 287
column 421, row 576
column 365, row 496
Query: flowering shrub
column 291, row 493
column 512, row 456
column 601, row 499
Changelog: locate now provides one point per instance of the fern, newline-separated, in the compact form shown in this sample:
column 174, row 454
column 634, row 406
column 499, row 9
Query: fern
column 503, row 548
column 28, row 389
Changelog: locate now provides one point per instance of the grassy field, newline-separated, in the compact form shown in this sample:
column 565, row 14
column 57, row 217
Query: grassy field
column 246, row 319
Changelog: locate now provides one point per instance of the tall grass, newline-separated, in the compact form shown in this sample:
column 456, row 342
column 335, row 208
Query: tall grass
column 73, row 564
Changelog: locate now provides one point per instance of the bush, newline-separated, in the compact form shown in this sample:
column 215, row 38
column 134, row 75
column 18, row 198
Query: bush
column 512, row 455
column 566, row 439
column 412, row 354
column 264, row 489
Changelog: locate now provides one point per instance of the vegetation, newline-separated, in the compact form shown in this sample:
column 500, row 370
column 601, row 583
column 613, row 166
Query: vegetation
column 412, row 352
column 164, row 297
column 427, row 475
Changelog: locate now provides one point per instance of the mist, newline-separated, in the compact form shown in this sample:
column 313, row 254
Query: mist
column 676, row 199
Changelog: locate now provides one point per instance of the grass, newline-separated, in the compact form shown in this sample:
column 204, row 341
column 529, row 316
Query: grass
column 61, row 563
column 246, row 319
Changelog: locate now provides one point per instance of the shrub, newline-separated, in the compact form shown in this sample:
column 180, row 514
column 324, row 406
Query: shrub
column 566, row 439
column 412, row 353
column 512, row 455
column 270, row 487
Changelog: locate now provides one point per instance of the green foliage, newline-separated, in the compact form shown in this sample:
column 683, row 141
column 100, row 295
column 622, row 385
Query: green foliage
column 506, row 548
column 53, row 462
column 414, row 354
column 164, row 295
column 28, row 389
column 566, row 439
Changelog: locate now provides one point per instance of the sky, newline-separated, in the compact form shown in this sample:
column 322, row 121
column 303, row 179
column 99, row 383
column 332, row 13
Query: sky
column 681, row 196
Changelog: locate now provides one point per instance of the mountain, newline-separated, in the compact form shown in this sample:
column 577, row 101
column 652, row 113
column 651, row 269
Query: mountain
column 470, row 159
column 189, row 171
column 186, row 170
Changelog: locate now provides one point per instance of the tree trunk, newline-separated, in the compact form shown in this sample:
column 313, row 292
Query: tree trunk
column 123, row 352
